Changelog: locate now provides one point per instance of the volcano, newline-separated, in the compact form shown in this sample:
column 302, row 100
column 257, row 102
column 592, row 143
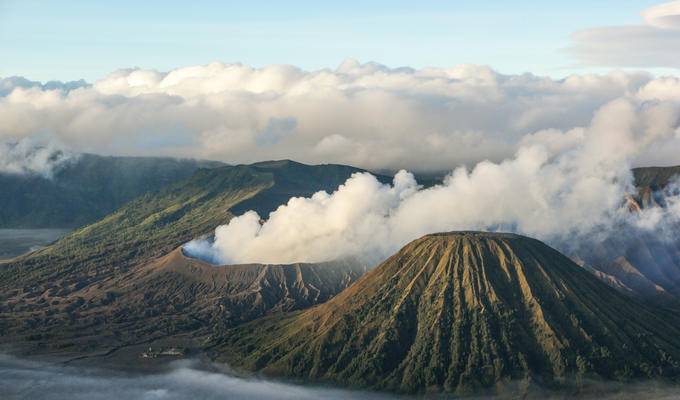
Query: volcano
column 465, row 311
column 171, row 298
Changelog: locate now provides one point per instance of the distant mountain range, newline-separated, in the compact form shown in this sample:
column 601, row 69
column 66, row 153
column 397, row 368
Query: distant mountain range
column 87, row 189
column 91, row 187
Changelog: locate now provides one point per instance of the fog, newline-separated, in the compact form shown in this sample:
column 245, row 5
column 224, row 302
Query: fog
column 31, row 157
column 30, row 380
column 21, row 379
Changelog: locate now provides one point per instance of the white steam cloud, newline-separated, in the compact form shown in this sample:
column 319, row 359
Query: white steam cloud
column 560, row 185
column 27, row 157
column 366, row 115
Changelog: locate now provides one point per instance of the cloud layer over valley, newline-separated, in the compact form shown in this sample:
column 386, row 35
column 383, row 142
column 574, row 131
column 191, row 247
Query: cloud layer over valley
column 366, row 115
column 21, row 379
column 24, row 380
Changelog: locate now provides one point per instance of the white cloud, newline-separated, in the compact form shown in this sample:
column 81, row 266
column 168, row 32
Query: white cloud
column 652, row 44
column 20, row 379
column 664, row 16
column 28, row 157
column 362, row 114
column 560, row 186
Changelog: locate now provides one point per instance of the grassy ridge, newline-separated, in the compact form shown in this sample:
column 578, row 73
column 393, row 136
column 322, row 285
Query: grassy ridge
column 156, row 223
column 103, row 285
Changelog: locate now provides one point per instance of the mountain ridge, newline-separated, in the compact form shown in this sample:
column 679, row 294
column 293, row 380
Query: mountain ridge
column 56, row 287
column 86, row 189
column 460, row 312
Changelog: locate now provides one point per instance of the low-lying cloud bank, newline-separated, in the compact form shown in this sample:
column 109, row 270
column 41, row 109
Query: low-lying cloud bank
column 27, row 157
column 24, row 380
column 21, row 379
column 366, row 115
column 561, row 186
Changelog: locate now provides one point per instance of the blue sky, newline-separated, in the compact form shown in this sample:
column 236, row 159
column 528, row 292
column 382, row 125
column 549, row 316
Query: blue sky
column 75, row 39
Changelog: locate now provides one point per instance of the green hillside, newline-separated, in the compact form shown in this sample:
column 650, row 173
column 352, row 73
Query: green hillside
column 156, row 223
column 122, row 280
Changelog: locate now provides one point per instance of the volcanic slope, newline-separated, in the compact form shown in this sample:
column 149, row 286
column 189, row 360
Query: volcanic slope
column 172, row 296
column 96, row 276
column 458, row 312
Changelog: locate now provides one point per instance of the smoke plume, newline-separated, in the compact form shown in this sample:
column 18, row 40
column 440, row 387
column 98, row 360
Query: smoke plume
column 560, row 186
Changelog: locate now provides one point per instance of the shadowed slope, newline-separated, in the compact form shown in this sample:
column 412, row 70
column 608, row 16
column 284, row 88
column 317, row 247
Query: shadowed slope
column 654, row 178
column 86, row 189
column 642, row 262
column 227, row 295
column 461, row 311
column 172, row 295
